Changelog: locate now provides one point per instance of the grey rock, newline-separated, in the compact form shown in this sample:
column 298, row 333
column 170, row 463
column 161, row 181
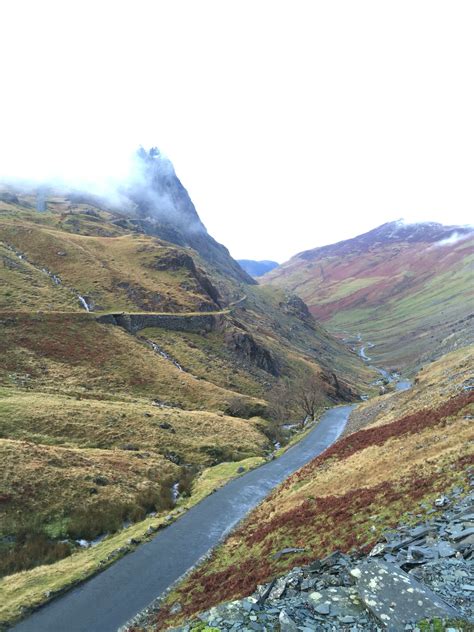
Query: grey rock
column 421, row 553
column 461, row 535
column 445, row 549
column 286, row 622
column 395, row 598
column 323, row 608
column 377, row 550
column 247, row 605
column 278, row 589
column 176, row 608
column 287, row 551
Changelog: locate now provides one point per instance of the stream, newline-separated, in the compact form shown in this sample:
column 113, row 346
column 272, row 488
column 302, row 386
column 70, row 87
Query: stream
column 394, row 377
column 54, row 277
column 110, row 599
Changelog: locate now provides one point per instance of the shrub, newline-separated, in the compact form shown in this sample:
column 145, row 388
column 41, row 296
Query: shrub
column 186, row 479
column 31, row 550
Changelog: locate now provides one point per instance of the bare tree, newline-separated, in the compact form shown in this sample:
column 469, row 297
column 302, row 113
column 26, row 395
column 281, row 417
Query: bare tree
column 280, row 402
column 310, row 397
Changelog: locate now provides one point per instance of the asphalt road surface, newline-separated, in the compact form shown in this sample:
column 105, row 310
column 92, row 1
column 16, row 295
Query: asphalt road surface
column 108, row 600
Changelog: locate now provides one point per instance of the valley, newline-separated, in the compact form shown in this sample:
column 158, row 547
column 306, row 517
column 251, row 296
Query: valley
column 163, row 413
column 132, row 368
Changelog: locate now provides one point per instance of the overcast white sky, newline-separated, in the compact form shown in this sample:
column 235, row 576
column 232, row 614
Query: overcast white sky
column 292, row 124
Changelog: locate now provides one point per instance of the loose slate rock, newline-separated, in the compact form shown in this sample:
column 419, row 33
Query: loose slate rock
column 395, row 598
column 286, row 622
column 323, row 608
column 445, row 549
column 288, row 551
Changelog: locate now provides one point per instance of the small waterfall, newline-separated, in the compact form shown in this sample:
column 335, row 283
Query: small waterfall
column 175, row 492
column 57, row 281
column 83, row 302
column 163, row 354
column 54, row 277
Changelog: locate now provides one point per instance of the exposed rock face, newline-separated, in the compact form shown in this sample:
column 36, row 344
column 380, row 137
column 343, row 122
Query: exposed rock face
column 297, row 307
column 426, row 572
column 175, row 260
column 10, row 198
column 163, row 208
column 238, row 340
column 250, row 350
column 337, row 389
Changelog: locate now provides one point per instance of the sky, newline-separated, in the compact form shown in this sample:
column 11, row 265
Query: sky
column 292, row 124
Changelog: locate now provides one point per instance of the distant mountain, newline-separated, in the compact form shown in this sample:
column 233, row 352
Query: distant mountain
column 257, row 268
column 405, row 287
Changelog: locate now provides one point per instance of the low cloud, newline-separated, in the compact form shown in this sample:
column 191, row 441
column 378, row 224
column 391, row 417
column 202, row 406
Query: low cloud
column 140, row 184
column 454, row 238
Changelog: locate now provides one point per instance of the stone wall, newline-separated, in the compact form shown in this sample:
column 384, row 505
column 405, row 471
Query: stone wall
column 175, row 322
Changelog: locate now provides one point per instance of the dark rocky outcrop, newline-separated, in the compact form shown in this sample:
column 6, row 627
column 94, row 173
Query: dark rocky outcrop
column 163, row 207
column 245, row 345
column 8, row 197
column 295, row 306
column 176, row 260
column 337, row 390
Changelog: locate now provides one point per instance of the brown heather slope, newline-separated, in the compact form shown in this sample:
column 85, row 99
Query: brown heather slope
column 344, row 498
column 406, row 288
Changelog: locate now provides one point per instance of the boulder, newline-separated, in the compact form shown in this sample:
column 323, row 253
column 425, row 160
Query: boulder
column 286, row 622
column 395, row 598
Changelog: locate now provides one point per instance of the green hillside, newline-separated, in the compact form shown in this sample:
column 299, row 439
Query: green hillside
column 408, row 289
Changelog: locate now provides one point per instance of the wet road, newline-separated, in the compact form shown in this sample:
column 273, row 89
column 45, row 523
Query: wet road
column 108, row 600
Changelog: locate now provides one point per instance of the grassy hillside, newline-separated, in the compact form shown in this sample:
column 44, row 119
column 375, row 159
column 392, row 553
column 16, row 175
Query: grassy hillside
column 99, row 421
column 417, row 445
column 130, row 272
column 406, row 289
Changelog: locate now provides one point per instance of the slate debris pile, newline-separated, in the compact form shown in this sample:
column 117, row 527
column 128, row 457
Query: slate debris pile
column 412, row 574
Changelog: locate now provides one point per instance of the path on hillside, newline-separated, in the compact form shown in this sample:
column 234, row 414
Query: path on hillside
column 108, row 600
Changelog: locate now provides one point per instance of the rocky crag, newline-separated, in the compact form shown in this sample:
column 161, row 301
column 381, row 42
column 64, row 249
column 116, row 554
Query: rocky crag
column 416, row 577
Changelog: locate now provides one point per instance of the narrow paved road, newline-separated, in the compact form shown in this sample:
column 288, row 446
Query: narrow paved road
column 110, row 599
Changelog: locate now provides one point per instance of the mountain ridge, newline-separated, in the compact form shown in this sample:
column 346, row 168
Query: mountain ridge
column 394, row 282
column 397, row 230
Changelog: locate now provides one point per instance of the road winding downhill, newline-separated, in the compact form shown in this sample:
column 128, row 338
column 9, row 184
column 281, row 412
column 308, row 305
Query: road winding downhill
column 111, row 598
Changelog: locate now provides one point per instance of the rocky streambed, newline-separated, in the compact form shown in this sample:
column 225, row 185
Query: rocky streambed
column 414, row 574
